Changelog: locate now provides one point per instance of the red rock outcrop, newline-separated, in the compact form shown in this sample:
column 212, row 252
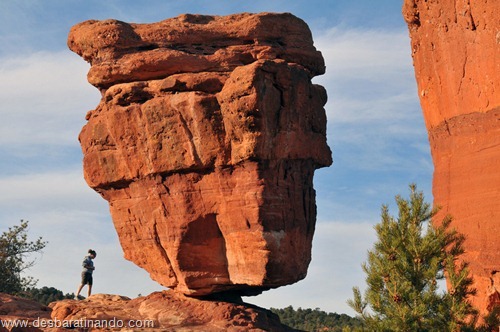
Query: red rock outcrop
column 164, row 311
column 205, row 143
column 22, row 315
column 456, row 54
column 160, row 311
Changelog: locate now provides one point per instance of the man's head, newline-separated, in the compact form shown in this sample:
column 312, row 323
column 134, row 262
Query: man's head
column 92, row 253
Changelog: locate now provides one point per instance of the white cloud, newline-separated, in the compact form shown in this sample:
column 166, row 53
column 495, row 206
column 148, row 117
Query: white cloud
column 34, row 192
column 369, row 76
column 374, row 117
column 368, row 55
column 44, row 99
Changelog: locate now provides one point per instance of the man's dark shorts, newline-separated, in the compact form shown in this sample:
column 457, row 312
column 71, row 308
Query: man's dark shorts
column 87, row 278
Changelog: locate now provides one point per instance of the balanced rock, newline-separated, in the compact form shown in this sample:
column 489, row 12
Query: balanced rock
column 456, row 54
column 205, row 143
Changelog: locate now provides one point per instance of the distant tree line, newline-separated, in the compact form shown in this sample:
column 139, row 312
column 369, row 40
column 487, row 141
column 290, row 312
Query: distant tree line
column 315, row 320
column 45, row 295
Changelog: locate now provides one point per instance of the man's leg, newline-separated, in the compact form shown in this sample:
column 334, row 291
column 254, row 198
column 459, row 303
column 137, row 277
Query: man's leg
column 79, row 290
column 90, row 282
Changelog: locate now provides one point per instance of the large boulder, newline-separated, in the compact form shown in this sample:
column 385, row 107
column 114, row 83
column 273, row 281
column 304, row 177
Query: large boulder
column 456, row 54
column 205, row 143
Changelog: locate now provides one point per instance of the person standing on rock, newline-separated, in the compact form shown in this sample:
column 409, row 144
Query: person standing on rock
column 88, row 268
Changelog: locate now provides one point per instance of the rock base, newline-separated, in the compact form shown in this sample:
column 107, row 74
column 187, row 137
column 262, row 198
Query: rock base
column 159, row 311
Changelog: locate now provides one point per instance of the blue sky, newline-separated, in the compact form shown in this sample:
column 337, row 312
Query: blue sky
column 375, row 129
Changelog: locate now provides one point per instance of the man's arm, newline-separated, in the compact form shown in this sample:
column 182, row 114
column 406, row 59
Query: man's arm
column 88, row 264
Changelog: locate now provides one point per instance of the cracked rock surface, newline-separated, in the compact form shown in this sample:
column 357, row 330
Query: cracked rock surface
column 456, row 54
column 205, row 143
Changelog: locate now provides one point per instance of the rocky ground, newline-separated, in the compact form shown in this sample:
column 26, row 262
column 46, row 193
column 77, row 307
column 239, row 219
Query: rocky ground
column 159, row 311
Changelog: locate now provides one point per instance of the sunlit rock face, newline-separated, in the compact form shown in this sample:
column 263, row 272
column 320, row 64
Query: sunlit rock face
column 205, row 143
column 456, row 53
column 163, row 311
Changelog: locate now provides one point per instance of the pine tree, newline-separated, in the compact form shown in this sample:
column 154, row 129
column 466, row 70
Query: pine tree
column 403, row 269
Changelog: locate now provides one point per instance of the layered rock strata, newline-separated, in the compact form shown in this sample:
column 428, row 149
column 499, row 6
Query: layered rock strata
column 205, row 143
column 456, row 53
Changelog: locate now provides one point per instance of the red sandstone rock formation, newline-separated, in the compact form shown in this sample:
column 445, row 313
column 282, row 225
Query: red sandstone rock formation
column 23, row 311
column 456, row 54
column 160, row 311
column 205, row 143
column 165, row 311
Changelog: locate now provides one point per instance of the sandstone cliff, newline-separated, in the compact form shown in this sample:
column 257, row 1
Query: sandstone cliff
column 205, row 143
column 456, row 53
